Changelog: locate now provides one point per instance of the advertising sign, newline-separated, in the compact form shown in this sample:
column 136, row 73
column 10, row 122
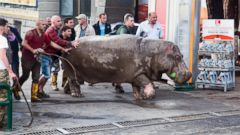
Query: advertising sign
column 221, row 29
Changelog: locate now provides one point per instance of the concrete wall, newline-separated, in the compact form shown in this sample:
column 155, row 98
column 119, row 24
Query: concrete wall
column 97, row 7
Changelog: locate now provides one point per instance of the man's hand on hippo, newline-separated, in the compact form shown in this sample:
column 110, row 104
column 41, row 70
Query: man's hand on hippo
column 78, row 41
column 66, row 50
column 75, row 43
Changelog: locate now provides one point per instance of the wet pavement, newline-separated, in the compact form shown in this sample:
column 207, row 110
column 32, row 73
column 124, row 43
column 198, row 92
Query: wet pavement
column 102, row 111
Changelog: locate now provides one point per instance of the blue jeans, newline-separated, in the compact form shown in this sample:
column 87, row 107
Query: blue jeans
column 46, row 62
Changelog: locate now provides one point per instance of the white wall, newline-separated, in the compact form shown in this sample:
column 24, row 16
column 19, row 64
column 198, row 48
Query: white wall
column 151, row 5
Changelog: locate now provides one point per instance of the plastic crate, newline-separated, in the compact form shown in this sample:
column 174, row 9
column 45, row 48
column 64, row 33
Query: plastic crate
column 7, row 103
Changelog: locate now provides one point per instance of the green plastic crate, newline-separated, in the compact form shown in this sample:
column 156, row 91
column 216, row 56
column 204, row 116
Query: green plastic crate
column 7, row 103
column 184, row 87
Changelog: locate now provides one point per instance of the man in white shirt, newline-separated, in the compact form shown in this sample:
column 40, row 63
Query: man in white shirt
column 4, row 64
column 150, row 28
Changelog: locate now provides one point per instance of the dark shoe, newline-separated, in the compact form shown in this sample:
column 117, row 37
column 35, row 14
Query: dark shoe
column 67, row 91
column 43, row 95
column 66, row 88
column 119, row 89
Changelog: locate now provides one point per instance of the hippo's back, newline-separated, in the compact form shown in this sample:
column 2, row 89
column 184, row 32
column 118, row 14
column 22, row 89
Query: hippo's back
column 125, row 41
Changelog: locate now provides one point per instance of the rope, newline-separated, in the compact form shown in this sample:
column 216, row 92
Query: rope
column 66, row 60
column 16, row 82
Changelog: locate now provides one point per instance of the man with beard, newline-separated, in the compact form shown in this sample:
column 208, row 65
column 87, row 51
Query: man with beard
column 33, row 41
column 102, row 27
column 66, row 34
column 150, row 28
column 127, row 26
column 70, row 23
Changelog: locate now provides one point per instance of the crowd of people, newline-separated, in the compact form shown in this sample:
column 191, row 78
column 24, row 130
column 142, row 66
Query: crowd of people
column 50, row 36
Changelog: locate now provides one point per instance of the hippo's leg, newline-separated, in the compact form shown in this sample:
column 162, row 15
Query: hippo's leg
column 137, row 92
column 66, row 87
column 119, row 88
column 143, row 81
column 75, row 88
column 149, row 91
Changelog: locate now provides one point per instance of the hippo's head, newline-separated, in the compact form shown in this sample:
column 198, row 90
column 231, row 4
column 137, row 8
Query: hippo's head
column 170, row 61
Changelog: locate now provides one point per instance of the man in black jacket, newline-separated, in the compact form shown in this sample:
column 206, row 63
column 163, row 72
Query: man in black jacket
column 15, row 48
column 102, row 27
column 70, row 23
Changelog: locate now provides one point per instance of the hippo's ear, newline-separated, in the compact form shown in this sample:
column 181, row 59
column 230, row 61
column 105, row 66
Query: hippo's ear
column 169, row 48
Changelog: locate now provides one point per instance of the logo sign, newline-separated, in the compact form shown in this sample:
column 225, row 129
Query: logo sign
column 217, row 22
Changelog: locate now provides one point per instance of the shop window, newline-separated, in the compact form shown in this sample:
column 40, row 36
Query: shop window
column 85, row 7
column 66, row 7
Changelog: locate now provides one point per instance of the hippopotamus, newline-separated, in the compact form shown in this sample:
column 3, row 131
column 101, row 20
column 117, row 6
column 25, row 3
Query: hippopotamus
column 125, row 59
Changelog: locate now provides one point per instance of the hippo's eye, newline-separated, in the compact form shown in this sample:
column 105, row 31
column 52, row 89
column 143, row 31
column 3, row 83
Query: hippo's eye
column 178, row 58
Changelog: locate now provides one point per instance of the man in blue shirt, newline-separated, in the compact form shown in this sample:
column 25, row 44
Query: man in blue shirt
column 102, row 27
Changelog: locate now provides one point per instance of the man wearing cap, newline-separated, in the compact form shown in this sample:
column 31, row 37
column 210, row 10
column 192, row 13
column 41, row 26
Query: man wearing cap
column 83, row 29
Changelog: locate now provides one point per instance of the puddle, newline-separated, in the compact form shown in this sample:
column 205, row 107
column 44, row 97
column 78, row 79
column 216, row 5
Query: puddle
column 63, row 116
column 145, row 104
column 140, row 103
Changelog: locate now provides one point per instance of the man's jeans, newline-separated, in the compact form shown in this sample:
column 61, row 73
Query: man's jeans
column 46, row 62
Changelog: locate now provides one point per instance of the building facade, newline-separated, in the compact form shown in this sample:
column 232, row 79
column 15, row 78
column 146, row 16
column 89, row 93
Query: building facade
column 23, row 14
